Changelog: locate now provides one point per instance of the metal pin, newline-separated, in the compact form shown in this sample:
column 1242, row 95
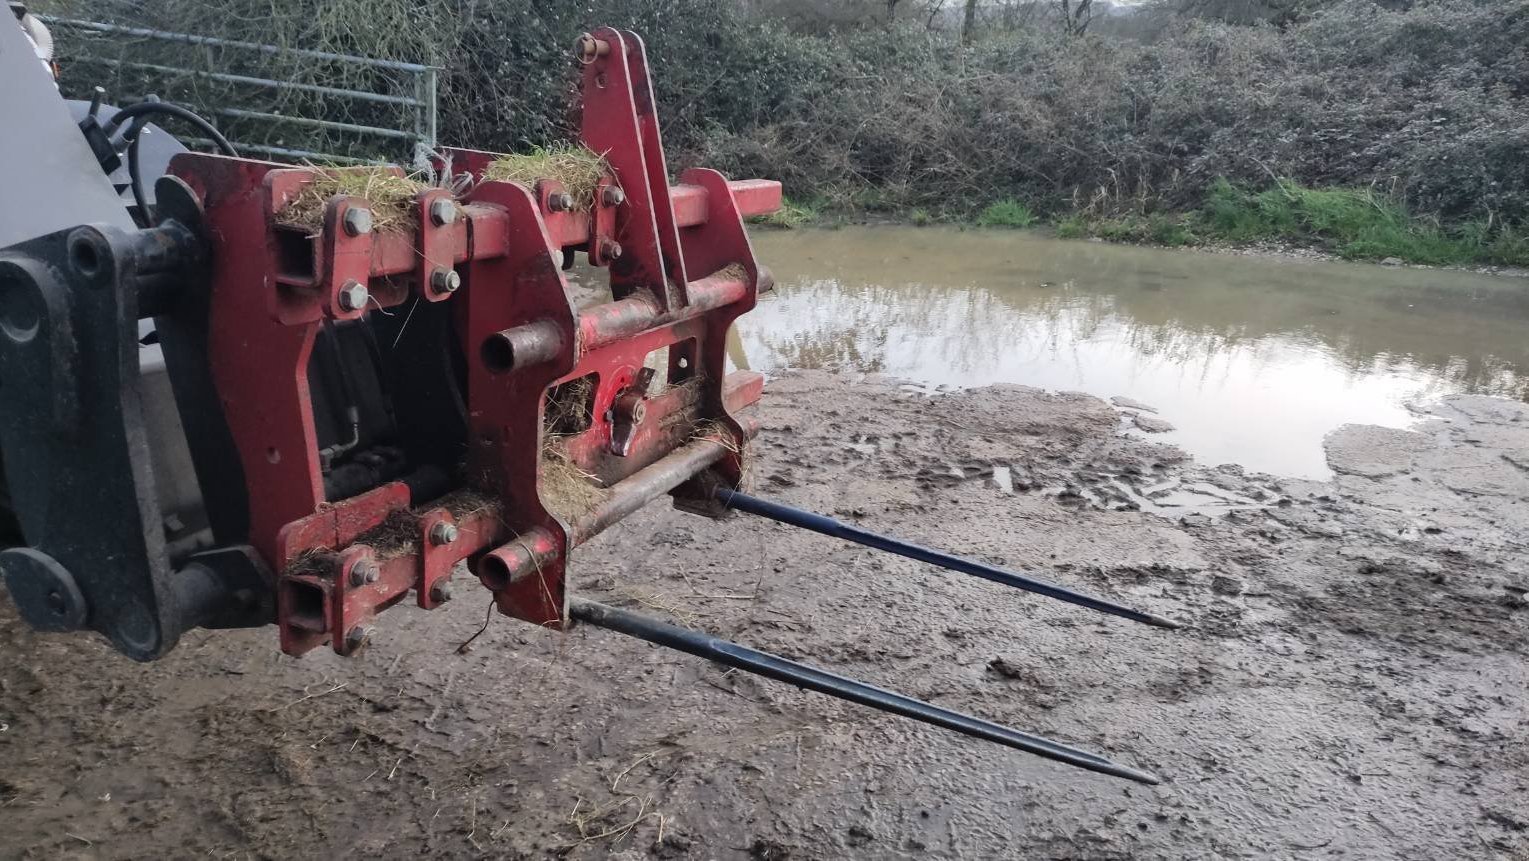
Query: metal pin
column 828, row 526
column 813, row 679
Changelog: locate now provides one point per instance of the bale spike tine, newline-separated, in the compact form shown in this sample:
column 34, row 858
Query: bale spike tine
column 837, row 529
column 778, row 668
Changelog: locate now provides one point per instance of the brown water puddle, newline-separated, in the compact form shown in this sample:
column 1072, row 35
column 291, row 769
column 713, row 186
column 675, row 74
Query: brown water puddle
column 1252, row 359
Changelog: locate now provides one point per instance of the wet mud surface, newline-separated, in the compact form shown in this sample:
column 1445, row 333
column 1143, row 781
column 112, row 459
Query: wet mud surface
column 1352, row 682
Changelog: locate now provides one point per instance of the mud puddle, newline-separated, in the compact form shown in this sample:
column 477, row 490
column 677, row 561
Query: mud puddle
column 1248, row 360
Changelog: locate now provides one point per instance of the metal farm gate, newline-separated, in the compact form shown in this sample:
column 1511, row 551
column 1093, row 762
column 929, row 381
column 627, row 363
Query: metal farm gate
column 286, row 103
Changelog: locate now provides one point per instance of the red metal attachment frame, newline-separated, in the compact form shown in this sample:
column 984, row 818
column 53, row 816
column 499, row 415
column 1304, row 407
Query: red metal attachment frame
column 681, row 270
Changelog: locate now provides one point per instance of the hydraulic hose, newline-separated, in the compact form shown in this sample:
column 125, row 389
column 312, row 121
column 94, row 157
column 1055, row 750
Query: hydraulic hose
column 173, row 110
column 139, row 114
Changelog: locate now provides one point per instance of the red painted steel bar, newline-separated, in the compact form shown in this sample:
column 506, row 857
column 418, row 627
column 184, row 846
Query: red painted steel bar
column 691, row 208
column 396, row 253
column 617, row 321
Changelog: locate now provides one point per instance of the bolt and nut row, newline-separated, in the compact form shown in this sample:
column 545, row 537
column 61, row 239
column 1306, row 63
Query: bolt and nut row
column 366, row 571
column 562, row 201
column 363, row 572
column 358, row 221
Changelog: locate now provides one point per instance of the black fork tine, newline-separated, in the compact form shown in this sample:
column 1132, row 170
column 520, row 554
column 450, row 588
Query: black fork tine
column 836, row 529
column 811, row 678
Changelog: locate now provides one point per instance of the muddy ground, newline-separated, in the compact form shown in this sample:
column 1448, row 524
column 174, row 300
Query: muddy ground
column 1352, row 682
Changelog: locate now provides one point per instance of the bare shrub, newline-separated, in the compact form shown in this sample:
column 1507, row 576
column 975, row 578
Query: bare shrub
column 1428, row 104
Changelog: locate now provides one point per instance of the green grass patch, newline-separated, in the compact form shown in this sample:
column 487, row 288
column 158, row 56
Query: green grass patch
column 790, row 216
column 1495, row 243
column 1358, row 224
column 1006, row 213
column 871, row 198
column 1156, row 229
column 1510, row 248
column 1072, row 227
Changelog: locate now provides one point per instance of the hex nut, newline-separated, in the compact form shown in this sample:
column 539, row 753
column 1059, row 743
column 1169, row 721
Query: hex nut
column 444, row 280
column 357, row 221
column 612, row 196
column 361, row 572
column 358, row 636
column 443, row 212
column 443, row 533
column 353, row 296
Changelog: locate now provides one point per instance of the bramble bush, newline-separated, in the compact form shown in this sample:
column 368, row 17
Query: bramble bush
column 1426, row 108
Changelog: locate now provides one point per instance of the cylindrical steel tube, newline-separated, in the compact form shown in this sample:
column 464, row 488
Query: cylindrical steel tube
column 519, row 556
column 646, row 485
column 616, row 321
column 515, row 559
column 522, row 346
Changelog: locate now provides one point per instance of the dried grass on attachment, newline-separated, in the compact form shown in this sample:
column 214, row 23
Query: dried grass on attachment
column 466, row 502
column 576, row 166
column 395, row 536
column 567, row 490
column 398, row 534
column 568, row 407
column 388, row 195
column 312, row 563
column 712, row 430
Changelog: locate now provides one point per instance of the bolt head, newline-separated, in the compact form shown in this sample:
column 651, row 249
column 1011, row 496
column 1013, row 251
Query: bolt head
column 443, row 533
column 560, row 202
column 445, row 280
column 363, row 571
column 358, row 636
column 441, row 592
column 353, row 296
column 443, row 212
column 587, row 48
column 357, row 221
column 611, row 249
column 612, row 196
